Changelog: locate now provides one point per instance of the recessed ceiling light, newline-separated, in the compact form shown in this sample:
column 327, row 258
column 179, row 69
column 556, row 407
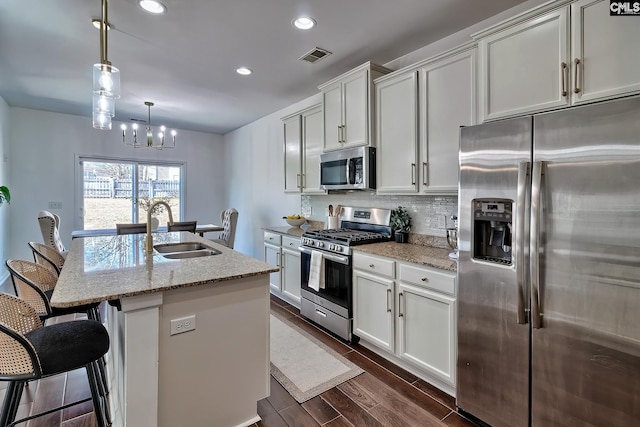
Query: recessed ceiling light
column 152, row 6
column 244, row 71
column 304, row 23
column 96, row 23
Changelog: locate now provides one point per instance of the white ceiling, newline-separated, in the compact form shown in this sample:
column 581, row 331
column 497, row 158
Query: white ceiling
column 185, row 61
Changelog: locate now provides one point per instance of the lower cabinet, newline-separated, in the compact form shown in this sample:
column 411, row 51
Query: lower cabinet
column 282, row 251
column 407, row 311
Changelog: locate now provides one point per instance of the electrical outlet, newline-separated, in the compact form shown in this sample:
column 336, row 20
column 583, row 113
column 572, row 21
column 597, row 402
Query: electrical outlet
column 55, row 205
column 442, row 221
column 183, row 324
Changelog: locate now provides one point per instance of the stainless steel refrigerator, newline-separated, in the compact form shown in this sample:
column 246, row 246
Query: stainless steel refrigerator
column 549, row 268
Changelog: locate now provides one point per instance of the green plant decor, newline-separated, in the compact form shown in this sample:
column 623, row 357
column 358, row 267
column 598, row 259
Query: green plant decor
column 5, row 195
column 400, row 220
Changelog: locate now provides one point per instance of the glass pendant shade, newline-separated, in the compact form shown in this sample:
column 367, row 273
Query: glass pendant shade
column 103, row 104
column 101, row 120
column 106, row 80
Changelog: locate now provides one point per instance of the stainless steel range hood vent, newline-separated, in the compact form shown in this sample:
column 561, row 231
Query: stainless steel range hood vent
column 314, row 55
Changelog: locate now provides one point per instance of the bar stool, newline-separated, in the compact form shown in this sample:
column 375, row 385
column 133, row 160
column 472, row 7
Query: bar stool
column 30, row 351
column 47, row 256
column 35, row 284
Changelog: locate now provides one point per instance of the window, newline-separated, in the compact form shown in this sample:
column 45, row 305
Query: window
column 119, row 191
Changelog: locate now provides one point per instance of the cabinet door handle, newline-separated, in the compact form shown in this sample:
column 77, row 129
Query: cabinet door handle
column 576, row 88
column 303, row 181
column 339, row 133
column 400, row 305
column 424, row 173
column 298, row 181
column 563, row 75
column 388, row 300
column 343, row 137
column 371, row 265
column 413, row 173
column 278, row 260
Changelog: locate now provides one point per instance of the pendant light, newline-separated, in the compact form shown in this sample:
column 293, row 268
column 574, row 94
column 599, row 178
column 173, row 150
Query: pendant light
column 106, row 80
column 159, row 141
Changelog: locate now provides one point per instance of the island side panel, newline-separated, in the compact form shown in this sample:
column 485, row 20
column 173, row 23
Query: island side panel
column 215, row 374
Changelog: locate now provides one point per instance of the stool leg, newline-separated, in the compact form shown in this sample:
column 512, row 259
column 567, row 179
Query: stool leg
column 95, row 395
column 11, row 402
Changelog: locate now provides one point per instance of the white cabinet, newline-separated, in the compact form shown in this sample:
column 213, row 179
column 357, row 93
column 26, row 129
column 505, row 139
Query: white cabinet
column 292, row 158
column 303, row 144
column 291, row 269
column 347, row 104
column 397, row 133
column 607, row 50
column 282, row 251
column 426, row 321
column 544, row 62
column 419, row 111
column 373, row 300
column 447, row 102
column 272, row 256
column 408, row 312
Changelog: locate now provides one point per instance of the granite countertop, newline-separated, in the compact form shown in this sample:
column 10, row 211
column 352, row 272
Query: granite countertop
column 295, row 231
column 418, row 254
column 110, row 267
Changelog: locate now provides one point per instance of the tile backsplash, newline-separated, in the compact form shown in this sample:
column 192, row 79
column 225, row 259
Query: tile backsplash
column 430, row 215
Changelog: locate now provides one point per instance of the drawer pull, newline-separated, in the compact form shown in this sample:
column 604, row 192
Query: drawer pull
column 424, row 279
column 371, row 265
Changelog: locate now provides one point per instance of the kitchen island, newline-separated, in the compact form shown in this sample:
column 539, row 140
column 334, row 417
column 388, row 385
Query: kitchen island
column 190, row 345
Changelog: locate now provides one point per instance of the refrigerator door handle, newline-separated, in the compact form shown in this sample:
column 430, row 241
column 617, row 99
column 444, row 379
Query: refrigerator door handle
column 534, row 244
column 523, row 178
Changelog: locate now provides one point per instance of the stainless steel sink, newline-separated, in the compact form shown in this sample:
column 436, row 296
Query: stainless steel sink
column 191, row 254
column 164, row 248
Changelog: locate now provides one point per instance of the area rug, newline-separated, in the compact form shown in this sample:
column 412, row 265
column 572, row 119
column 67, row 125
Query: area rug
column 302, row 364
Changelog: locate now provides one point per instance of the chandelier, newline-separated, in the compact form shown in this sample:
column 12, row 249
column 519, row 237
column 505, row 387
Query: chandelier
column 106, row 80
column 148, row 140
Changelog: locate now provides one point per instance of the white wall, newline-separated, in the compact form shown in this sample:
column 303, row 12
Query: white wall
column 42, row 150
column 4, row 180
column 256, row 159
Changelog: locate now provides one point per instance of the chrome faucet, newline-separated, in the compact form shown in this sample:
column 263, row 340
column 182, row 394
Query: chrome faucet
column 149, row 241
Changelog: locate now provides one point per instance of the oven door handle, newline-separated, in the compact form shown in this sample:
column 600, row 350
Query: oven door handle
column 331, row 257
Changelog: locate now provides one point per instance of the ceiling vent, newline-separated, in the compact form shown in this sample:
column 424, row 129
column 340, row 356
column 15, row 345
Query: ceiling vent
column 314, row 55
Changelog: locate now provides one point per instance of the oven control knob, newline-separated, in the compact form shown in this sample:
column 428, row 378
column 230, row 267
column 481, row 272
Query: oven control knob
column 320, row 245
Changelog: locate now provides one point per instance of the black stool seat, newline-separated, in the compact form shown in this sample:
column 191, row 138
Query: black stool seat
column 67, row 346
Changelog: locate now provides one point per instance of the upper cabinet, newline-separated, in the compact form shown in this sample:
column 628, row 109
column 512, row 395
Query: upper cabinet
column 303, row 143
column 544, row 60
column 419, row 111
column 347, row 102
column 606, row 51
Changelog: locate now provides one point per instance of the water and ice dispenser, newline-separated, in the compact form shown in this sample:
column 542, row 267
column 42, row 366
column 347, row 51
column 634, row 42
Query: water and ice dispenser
column 492, row 225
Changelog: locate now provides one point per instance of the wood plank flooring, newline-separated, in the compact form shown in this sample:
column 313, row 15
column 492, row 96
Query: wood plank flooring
column 384, row 396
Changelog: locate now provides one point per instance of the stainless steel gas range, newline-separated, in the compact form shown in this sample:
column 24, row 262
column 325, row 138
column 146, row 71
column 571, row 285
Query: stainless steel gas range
column 330, row 303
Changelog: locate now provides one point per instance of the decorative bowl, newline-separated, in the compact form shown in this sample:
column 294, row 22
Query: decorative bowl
column 295, row 222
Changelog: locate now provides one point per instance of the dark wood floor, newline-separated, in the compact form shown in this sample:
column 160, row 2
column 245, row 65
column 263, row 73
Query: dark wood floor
column 384, row 396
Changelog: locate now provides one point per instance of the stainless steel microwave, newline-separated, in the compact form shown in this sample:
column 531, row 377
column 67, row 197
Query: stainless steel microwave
column 348, row 169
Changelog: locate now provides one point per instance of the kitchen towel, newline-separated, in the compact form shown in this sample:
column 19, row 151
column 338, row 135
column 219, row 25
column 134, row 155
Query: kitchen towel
column 316, row 271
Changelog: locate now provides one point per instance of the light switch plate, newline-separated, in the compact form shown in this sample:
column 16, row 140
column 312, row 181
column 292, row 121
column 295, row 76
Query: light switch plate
column 55, row 205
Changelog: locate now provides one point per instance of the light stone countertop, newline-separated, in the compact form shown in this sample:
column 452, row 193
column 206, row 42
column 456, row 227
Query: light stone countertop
column 110, row 267
column 295, row 231
column 417, row 254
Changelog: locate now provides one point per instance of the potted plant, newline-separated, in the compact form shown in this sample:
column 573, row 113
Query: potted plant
column 400, row 224
column 5, row 195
